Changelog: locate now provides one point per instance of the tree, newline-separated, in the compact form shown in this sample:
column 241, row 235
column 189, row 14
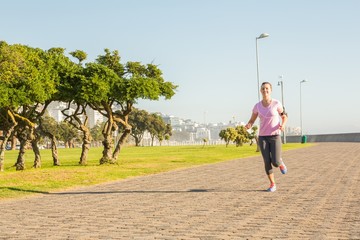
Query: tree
column 242, row 136
column 11, row 62
column 158, row 128
column 8, row 124
column 205, row 140
column 238, row 135
column 100, row 89
column 79, row 55
column 72, row 94
column 27, row 82
column 228, row 135
column 168, row 132
column 68, row 133
column 139, row 120
column 111, row 83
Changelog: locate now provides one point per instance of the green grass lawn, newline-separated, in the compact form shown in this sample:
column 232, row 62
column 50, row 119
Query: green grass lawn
column 133, row 161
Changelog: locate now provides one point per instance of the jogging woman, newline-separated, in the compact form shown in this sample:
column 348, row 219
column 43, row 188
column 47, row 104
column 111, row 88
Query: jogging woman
column 270, row 111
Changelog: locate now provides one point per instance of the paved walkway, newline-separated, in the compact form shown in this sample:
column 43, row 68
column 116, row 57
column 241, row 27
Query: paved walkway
column 319, row 198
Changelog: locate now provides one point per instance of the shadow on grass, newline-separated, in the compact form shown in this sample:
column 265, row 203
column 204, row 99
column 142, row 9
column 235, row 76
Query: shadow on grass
column 24, row 190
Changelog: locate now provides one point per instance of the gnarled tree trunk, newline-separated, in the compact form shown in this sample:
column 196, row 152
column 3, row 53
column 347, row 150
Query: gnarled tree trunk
column 3, row 143
column 9, row 123
column 35, row 148
column 86, row 144
column 20, row 163
column 37, row 161
column 54, row 151
column 120, row 143
column 25, row 135
column 108, row 146
column 108, row 143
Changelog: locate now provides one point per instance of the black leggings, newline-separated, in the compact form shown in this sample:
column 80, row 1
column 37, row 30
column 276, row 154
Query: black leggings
column 270, row 147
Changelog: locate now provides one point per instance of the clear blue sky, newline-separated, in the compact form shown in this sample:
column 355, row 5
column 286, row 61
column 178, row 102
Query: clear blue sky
column 207, row 47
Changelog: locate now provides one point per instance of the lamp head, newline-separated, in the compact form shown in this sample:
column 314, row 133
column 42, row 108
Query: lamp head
column 263, row 35
column 303, row 81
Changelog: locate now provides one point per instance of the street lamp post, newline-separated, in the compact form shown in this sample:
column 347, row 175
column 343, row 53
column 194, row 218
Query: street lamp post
column 263, row 35
column 301, row 128
column 281, row 83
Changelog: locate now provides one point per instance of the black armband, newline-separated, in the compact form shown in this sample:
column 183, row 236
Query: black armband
column 283, row 113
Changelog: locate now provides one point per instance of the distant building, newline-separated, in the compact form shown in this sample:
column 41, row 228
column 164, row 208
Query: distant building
column 94, row 117
column 174, row 121
column 202, row 133
column 55, row 110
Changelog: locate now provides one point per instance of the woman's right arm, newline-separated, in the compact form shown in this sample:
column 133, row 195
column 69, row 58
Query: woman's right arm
column 251, row 121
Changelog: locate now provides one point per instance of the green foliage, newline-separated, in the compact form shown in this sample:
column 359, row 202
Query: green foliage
column 253, row 134
column 96, row 132
column 239, row 135
column 25, row 76
column 146, row 82
column 139, row 121
column 68, row 76
column 68, row 133
column 50, row 125
column 99, row 83
column 112, row 61
column 142, row 121
column 228, row 135
column 79, row 55
column 242, row 136
column 158, row 128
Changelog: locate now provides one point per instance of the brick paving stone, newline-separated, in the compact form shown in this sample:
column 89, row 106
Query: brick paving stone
column 317, row 199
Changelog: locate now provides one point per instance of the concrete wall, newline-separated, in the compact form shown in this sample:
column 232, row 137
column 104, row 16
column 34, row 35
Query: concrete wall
column 341, row 137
